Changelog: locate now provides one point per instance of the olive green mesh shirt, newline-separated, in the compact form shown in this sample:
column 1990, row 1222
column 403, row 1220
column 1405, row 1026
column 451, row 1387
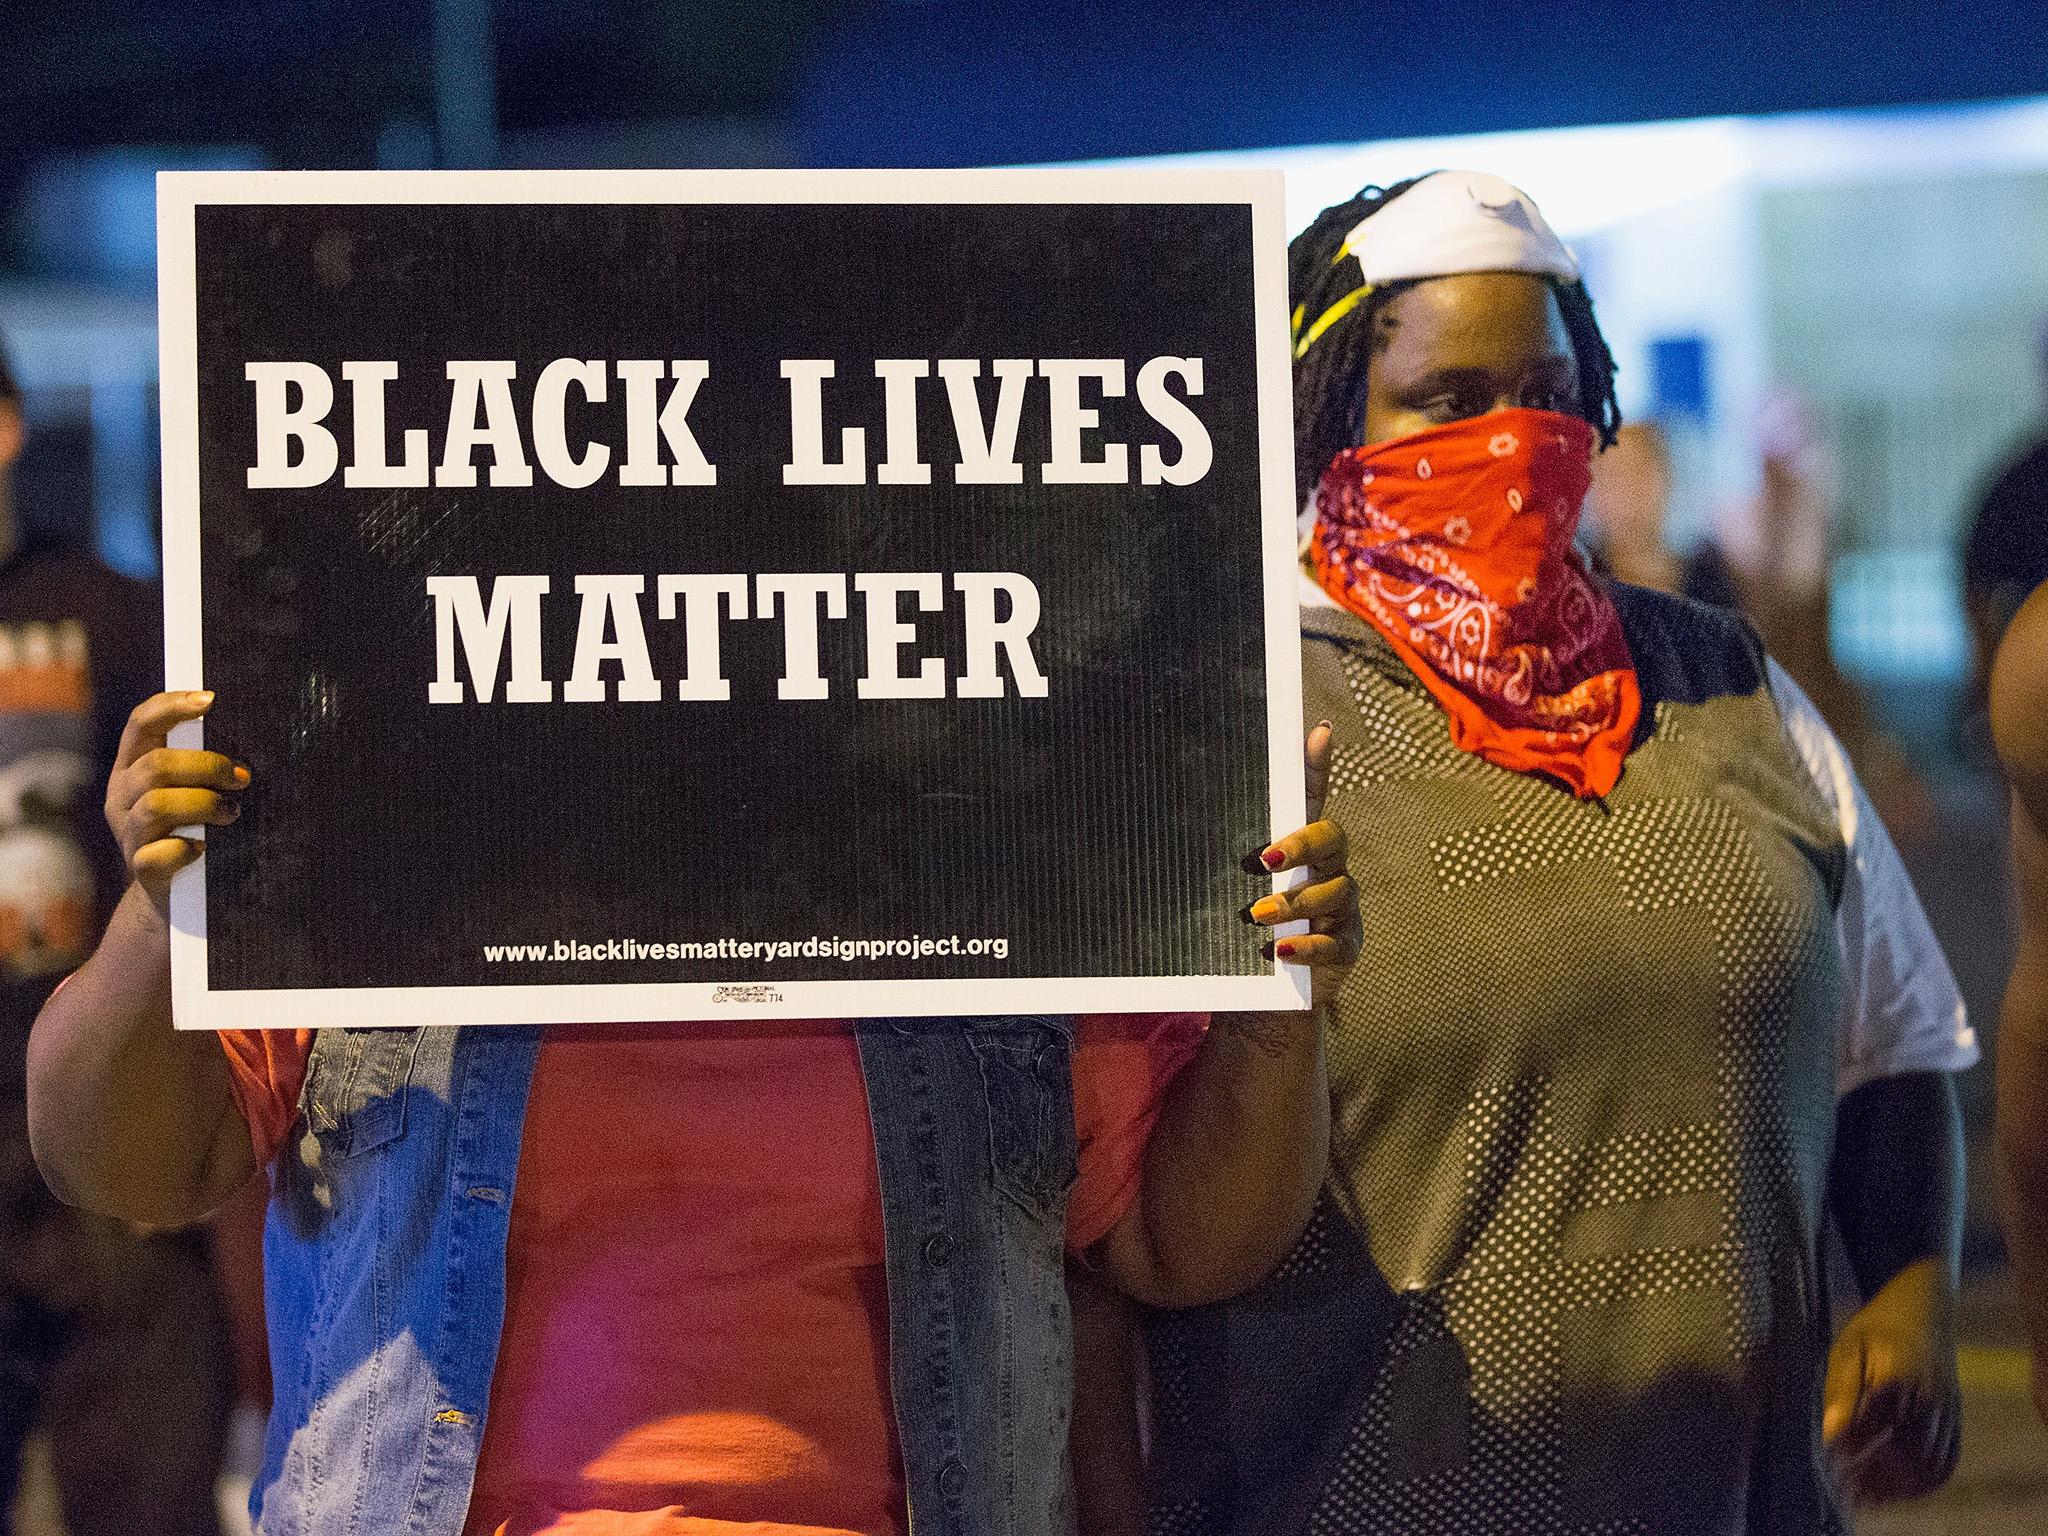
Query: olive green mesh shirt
column 1564, row 1276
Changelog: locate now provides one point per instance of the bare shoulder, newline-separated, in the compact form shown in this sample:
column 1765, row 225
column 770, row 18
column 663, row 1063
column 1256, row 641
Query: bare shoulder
column 2019, row 703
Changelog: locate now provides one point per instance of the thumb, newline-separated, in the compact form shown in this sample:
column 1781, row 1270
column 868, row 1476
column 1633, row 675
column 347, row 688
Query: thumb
column 1316, row 764
column 1847, row 1369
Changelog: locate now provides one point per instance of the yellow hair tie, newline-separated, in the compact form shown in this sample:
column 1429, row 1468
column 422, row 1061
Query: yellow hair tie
column 1328, row 318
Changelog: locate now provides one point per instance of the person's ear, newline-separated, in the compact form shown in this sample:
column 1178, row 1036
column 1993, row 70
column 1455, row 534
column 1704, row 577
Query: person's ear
column 12, row 432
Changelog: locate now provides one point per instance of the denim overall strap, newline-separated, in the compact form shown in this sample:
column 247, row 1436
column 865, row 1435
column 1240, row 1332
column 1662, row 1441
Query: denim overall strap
column 974, row 1138
column 385, row 1278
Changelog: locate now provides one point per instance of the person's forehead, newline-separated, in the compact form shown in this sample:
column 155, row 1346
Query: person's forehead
column 1473, row 319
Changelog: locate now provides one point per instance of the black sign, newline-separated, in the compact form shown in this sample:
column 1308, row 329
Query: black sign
column 638, row 599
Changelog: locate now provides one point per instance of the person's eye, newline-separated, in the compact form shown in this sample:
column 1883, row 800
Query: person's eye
column 1452, row 406
column 1553, row 397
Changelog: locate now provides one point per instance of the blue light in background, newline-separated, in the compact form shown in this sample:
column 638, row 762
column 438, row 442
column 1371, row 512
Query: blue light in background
column 1678, row 377
column 88, row 221
column 93, row 217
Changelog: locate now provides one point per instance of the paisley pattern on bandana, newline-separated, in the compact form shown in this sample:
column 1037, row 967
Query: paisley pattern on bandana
column 1456, row 545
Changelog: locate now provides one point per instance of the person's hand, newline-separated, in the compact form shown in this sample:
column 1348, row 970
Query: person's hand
column 156, row 789
column 1327, row 900
column 1893, row 1414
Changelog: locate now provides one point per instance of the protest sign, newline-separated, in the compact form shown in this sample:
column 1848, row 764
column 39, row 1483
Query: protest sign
column 679, row 595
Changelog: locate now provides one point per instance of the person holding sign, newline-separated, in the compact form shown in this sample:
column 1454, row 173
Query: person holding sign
column 1643, row 959
column 688, row 1280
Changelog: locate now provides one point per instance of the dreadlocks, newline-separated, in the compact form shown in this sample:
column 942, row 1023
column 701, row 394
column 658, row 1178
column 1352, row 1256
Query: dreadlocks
column 1329, row 373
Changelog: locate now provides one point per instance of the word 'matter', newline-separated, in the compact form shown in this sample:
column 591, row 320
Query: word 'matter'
column 295, row 449
column 609, row 628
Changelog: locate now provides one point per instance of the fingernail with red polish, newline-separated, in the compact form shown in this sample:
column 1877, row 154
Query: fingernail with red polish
column 1285, row 948
column 1272, row 858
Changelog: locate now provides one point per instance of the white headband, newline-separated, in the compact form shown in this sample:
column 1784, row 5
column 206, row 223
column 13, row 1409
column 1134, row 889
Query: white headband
column 1458, row 221
column 1449, row 222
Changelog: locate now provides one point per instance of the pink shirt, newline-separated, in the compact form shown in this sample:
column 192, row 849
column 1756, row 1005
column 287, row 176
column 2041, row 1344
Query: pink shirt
column 696, row 1327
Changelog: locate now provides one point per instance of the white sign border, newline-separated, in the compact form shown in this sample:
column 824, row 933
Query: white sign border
column 196, row 1006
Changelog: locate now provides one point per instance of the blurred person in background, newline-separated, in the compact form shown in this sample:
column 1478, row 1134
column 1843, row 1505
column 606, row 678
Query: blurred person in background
column 112, row 1339
column 2005, row 558
column 2005, row 551
column 1766, row 557
column 1626, row 527
column 1646, row 996
column 2019, row 726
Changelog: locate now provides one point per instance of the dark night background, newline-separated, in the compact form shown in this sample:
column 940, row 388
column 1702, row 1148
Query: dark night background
column 920, row 82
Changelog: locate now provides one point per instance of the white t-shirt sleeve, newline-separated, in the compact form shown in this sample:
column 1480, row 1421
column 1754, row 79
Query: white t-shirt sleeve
column 1901, row 1010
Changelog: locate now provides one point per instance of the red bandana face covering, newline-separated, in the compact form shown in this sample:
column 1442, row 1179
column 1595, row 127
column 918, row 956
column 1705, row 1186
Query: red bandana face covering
column 1456, row 545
